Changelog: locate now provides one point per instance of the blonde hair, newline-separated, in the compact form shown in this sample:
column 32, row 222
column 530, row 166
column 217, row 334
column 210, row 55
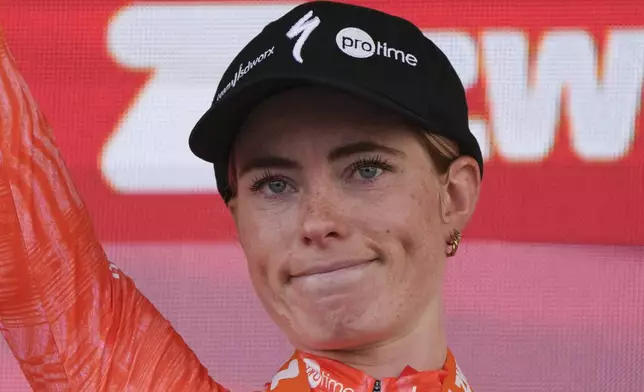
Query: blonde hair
column 441, row 150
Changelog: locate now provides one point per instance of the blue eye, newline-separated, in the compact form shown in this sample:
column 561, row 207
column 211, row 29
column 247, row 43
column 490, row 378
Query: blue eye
column 276, row 186
column 369, row 172
column 270, row 184
column 369, row 169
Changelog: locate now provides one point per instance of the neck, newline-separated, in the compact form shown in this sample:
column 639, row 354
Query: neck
column 423, row 347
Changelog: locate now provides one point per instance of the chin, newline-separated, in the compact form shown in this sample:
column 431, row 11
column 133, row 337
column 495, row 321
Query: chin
column 335, row 330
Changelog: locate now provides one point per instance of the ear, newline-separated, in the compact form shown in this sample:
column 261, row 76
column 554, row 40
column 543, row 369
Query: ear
column 460, row 193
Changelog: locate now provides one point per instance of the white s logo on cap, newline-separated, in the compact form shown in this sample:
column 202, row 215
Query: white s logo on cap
column 303, row 27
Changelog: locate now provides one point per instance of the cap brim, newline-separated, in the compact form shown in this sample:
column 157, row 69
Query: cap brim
column 216, row 131
column 214, row 134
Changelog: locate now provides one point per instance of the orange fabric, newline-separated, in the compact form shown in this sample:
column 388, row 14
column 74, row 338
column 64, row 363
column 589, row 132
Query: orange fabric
column 305, row 372
column 71, row 318
column 73, row 321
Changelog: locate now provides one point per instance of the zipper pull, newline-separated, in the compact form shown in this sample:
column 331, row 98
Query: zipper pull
column 376, row 386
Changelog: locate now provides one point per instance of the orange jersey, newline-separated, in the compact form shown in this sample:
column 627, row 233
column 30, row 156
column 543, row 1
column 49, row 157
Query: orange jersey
column 77, row 323
column 306, row 372
column 72, row 319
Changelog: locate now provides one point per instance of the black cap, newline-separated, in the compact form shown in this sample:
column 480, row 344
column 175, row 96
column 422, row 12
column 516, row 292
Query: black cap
column 381, row 58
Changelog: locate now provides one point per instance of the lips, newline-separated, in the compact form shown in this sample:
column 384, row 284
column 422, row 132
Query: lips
column 327, row 267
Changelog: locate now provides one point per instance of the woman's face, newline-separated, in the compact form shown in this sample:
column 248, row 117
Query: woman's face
column 339, row 215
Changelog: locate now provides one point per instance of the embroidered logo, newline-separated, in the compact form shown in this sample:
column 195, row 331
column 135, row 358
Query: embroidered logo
column 302, row 29
column 358, row 43
column 244, row 69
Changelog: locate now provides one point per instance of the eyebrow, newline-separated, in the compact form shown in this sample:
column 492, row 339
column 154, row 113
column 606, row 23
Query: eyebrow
column 359, row 147
column 267, row 162
column 272, row 161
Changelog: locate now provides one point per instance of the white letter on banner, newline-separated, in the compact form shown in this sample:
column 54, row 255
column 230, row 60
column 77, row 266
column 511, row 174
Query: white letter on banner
column 188, row 48
column 525, row 104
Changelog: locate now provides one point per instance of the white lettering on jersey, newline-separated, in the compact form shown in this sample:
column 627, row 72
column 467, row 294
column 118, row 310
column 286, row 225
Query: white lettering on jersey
column 292, row 371
column 313, row 372
column 302, row 28
column 317, row 376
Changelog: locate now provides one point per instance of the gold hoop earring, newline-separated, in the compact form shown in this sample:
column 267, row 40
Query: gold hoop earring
column 454, row 242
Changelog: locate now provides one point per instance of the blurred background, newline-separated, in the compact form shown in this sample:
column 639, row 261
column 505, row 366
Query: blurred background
column 547, row 292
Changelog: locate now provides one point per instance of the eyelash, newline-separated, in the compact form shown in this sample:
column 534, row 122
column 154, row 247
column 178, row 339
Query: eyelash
column 376, row 161
column 264, row 178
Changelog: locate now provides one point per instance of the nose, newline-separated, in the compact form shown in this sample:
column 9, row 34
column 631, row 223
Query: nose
column 323, row 220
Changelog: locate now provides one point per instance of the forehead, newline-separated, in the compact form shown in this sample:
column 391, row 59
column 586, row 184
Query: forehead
column 317, row 117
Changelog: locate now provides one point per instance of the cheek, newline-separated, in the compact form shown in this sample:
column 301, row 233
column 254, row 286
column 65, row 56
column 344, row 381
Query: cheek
column 408, row 227
column 262, row 234
column 258, row 251
column 411, row 217
column 257, row 228
column 423, row 216
column 262, row 237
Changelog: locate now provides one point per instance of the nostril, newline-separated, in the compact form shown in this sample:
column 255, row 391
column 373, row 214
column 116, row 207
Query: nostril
column 332, row 234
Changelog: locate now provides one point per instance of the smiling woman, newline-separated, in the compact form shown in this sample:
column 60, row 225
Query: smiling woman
column 349, row 192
